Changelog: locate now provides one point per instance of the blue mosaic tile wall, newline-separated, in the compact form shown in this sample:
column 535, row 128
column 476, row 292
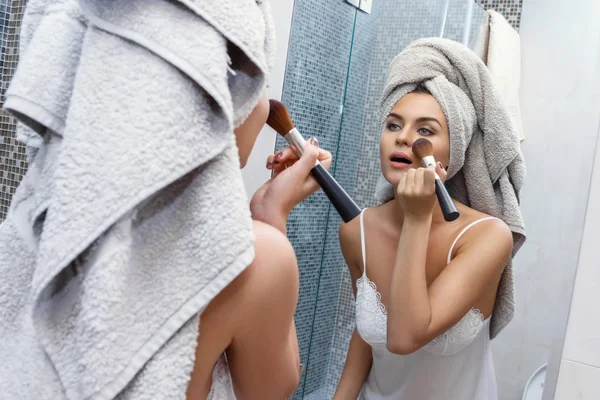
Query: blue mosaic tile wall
column 314, row 87
column 13, row 164
column 324, row 350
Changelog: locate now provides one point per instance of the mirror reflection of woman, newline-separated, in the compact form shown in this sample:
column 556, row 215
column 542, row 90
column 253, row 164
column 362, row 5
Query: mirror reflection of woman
column 425, row 288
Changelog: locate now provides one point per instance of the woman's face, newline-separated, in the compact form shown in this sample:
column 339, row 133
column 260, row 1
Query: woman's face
column 416, row 115
column 246, row 134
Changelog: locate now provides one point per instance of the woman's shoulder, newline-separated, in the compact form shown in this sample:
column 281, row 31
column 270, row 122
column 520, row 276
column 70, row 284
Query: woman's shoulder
column 480, row 229
column 470, row 216
column 349, row 234
column 275, row 263
column 350, row 231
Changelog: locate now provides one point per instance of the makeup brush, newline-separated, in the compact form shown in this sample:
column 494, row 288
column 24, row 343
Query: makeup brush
column 279, row 119
column 423, row 149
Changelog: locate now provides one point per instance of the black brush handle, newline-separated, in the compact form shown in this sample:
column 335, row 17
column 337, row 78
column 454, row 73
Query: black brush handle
column 448, row 208
column 342, row 202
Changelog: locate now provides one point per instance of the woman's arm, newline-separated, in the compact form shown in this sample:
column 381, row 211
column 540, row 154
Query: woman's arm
column 417, row 313
column 359, row 356
column 358, row 364
column 252, row 321
column 263, row 355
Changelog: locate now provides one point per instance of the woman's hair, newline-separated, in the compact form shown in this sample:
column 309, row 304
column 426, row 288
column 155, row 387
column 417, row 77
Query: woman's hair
column 421, row 89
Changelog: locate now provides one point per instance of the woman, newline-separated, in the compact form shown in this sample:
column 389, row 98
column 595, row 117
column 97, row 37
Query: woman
column 425, row 288
column 251, row 320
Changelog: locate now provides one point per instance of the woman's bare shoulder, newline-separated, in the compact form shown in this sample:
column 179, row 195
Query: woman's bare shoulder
column 275, row 263
column 470, row 215
column 349, row 234
column 494, row 232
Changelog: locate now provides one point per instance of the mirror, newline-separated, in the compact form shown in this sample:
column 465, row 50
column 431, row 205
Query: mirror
column 337, row 62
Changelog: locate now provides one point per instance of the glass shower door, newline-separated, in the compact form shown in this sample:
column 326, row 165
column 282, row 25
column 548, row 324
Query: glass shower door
column 314, row 87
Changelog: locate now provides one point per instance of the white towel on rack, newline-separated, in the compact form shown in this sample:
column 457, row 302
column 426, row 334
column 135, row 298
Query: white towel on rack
column 504, row 63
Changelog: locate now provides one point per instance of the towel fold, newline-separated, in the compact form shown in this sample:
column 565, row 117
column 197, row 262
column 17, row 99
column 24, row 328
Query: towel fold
column 132, row 216
column 504, row 63
column 486, row 168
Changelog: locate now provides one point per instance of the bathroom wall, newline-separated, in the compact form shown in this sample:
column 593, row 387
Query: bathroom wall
column 573, row 106
column 12, row 155
column 579, row 376
column 560, row 102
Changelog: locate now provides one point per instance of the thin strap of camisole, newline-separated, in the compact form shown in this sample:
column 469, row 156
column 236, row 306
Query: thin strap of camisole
column 363, row 247
column 462, row 233
column 362, row 242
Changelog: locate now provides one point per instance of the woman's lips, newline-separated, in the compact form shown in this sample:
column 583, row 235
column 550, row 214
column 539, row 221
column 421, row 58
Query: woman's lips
column 400, row 160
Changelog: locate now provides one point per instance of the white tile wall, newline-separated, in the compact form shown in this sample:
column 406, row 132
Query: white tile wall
column 579, row 376
column 578, row 382
column 582, row 342
column 560, row 100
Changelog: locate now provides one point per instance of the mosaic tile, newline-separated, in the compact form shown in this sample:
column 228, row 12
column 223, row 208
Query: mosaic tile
column 510, row 9
column 314, row 85
column 13, row 164
column 321, row 372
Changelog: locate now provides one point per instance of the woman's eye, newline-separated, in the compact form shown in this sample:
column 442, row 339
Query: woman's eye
column 425, row 132
column 394, row 127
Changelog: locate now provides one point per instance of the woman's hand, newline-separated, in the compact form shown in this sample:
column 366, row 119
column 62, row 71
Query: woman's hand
column 290, row 184
column 416, row 191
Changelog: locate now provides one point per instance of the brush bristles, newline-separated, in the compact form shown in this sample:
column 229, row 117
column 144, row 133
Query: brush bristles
column 422, row 148
column 279, row 118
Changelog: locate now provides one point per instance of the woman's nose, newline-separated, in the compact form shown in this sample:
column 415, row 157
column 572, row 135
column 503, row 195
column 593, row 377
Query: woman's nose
column 403, row 138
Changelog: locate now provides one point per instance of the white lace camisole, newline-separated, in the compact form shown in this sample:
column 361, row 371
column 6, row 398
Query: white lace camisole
column 222, row 384
column 457, row 365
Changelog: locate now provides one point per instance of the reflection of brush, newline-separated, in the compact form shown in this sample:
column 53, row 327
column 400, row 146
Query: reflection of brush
column 280, row 120
column 423, row 149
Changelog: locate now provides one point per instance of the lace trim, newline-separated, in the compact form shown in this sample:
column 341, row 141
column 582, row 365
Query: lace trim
column 371, row 315
column 222, row 386
column 459, row 336
column 373, row 286
column 371, row 321
column 477, row 312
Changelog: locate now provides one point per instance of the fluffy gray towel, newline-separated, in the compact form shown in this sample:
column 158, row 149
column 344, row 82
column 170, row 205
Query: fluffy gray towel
column 132, row 216
column 487, row 168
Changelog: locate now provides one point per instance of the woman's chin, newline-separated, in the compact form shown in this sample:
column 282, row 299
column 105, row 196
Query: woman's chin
column 394, row 176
